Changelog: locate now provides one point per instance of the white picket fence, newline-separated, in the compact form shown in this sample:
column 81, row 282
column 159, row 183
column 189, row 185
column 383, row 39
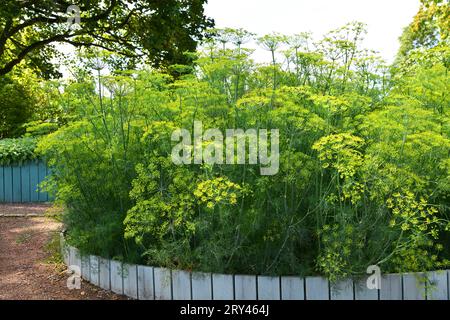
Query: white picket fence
column 152, row 283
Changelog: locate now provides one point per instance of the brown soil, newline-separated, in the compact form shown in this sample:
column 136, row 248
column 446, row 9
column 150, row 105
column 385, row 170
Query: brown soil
column 27, row 269
column 23, row 209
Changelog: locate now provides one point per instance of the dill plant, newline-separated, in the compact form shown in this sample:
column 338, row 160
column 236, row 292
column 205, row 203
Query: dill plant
column 363, row 176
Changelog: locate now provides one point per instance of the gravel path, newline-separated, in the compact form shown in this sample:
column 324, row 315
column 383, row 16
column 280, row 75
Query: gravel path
column 26, row 268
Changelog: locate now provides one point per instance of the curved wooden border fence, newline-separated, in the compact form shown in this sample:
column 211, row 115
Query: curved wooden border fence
column 152, row 283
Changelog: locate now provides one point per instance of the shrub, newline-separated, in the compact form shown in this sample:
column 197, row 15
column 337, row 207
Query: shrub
column 17, row 104
column 16, row 151
column 38, row 128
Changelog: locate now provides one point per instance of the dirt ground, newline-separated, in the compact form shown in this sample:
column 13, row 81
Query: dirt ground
column 28, row 268
column 23, row 209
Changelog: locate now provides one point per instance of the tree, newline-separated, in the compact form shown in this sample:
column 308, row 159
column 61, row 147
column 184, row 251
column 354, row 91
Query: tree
column 16, row 106
column 160, row 31
column 430, row 26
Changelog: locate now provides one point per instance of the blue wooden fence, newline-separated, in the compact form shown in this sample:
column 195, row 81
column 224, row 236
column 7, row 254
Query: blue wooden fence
column 20, row 183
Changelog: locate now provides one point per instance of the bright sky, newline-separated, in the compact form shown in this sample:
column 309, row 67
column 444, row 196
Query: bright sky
column 385, row 18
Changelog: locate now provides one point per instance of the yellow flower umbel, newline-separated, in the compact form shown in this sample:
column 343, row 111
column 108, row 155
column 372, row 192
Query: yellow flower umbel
column 217, row 191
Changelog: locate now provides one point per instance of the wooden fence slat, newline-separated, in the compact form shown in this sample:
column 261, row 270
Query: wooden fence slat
column 65, row 252
column 317, row 288
column 245, row 287
column 71, row 255
column 94, row 270
column 268, row 288
column 104, row 274
column 223, row 287
column 130, row 284
column 75, row 258
column 437, row 286
column 2, row 184
column 85, row 268
column 342, row 290
column 292, row 288
column 25, row 183
column 448, row 284
column 8, row 184
column 145, row 283
column 201, row 286
column 34, row 181
column 42, row 169
column 391, row 287
column 181, row 284
column 364, row 293
column 47, row 173
column 17, row 184
column 74, row 265
column 414, row 286
column 116, row 274
column 163, row 283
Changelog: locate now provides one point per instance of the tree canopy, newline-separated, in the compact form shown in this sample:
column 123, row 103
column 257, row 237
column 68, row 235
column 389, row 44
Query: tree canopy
column 430, row 25
column 157, row 31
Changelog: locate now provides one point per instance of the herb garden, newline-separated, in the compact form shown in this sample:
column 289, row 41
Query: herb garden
column 364, row 167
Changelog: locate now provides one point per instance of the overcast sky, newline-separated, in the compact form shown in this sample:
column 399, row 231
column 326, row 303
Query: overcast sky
column 385, row 18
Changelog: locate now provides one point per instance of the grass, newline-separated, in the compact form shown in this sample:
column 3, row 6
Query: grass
column 53, row 250
column 24, row 237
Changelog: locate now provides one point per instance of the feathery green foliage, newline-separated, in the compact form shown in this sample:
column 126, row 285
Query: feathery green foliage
column 364, row 162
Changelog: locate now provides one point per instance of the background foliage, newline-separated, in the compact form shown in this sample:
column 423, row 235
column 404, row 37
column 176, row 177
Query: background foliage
column 157, row 31
column 17, row 151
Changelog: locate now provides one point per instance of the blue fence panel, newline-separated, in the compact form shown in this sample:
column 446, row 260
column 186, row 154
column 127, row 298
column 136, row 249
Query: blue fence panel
column 7, row 176
column 16, row 184
column 2, row 185
column 20, row 183
column 34, row 181
column 43, row 196
column 25, row 183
